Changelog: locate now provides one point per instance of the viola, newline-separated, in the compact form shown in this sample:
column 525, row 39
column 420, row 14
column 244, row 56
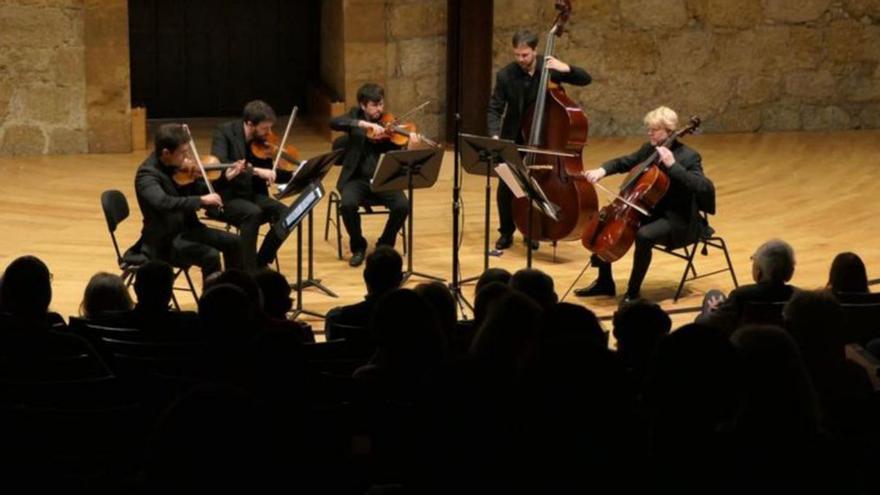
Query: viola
column 614, row 231
column 556, row 122
column 396, row 132
column 267, row 149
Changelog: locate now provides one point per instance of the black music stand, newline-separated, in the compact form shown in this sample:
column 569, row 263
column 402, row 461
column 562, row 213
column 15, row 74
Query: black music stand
column 479, row 156
column 308, row 173
column 408, row 169
column 523, row 185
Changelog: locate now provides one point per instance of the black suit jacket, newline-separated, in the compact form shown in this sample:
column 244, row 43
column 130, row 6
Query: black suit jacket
column 505, row 97
column 688, row 189
column 729, row 314
column 228, row 145
column 355, row 144
column 167, row 210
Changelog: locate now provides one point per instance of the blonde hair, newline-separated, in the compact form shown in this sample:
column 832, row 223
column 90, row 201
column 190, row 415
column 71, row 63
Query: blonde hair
column 662, row 116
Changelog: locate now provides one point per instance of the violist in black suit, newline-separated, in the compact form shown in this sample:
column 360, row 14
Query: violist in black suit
column 172, row 232
column 358, row 165
column 516, row 88
column 246, row 200
column 676, row 220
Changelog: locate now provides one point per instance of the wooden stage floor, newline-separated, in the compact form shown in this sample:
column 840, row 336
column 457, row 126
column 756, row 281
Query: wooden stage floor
column 818, row 191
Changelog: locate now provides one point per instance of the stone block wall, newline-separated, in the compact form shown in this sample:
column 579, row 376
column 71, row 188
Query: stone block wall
column 744, row 66
column 64, row 77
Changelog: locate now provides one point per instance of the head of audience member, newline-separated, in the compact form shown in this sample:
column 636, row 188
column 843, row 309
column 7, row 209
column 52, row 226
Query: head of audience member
column 440, row 298
column 535, row 284
column 814, row 319
column 848, row 274
column 574, row 327
column 506, row 342
column 691, row 387
column 153, row 286
column 638, row 328
column 276, row 293
column 492, row 275
column 227, row 313
column 26, row 288
column 105, row 294
column 486, row 297
column 383, row 271
column 779, row 398
column 244, row 281
column 407, row 331
column 773, row 263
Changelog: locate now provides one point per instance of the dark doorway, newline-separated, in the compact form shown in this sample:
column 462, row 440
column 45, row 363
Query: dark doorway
column 207, row 58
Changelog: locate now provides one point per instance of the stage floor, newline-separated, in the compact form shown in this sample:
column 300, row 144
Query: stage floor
column 818, row 191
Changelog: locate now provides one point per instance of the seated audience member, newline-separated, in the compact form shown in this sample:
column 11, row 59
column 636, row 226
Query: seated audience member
column 441, row 300
column 772, row 269
column 848, row 276
column 492, row 275
column 229, row 322
column 30, row 348
column 535, row 284
column 277, row 303
column 567, row 324
column 485, row 297
column 638, row 327
column 105, row 295
column 505, row 344
column 382, row 274
column 815, row 320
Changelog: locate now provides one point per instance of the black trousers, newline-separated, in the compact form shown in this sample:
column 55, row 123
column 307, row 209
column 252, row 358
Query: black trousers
column 248, row 215
column 504, row 198
column 355, row 193
column 657, row 232
column 201, row 246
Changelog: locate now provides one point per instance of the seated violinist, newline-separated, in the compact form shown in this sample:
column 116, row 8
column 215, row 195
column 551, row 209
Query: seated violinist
column 171, row 230
column 676, row 220
column 367, row 140
column 246, row 200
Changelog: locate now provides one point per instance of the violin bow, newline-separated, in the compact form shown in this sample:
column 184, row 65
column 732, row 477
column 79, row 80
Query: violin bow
column 284, row 138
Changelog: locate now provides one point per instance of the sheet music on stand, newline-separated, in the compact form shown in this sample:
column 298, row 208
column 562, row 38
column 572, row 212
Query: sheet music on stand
column 523, row 185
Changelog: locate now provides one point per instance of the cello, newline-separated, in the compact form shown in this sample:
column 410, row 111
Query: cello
column 556, row 122
column 614, row 232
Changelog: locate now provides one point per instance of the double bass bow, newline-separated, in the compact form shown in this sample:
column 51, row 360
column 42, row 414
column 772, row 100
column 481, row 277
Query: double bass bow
column 614, row 231
column 556, row 122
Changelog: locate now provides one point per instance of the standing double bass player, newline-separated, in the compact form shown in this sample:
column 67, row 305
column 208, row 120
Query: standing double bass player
column 516, row 89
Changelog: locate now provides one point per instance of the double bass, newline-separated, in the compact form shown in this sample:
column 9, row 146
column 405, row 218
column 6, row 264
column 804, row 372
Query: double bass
column 556, row 122
column 614, row 232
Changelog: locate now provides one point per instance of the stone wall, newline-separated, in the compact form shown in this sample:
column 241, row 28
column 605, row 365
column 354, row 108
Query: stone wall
column 400, row 44
column 64, row 76
column 744, row 66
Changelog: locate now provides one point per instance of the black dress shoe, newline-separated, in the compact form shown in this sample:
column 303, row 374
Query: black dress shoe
column 597, row 288
column 357, row 258
column 535, row 244
column 504, row 242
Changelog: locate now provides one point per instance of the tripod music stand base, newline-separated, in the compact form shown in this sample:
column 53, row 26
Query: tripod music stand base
column 470, row 279
column 297, row 312
column 316, row 283
column 408, row 274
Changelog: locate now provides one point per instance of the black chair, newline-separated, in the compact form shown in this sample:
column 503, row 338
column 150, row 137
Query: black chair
column 367, row 208
column 861, row 322
column 116, row 210
column 689, row 251
column 133, row 353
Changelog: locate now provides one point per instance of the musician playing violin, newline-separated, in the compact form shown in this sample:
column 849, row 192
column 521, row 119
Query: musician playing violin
column 171, row 230
column 676, row 220
column 516, row 88
column 366, row 142
column 246, row 200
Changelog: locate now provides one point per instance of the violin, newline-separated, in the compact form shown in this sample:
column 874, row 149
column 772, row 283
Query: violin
column 268, row 148
column 396, row 132
column 614, row 230
column 189, row 172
